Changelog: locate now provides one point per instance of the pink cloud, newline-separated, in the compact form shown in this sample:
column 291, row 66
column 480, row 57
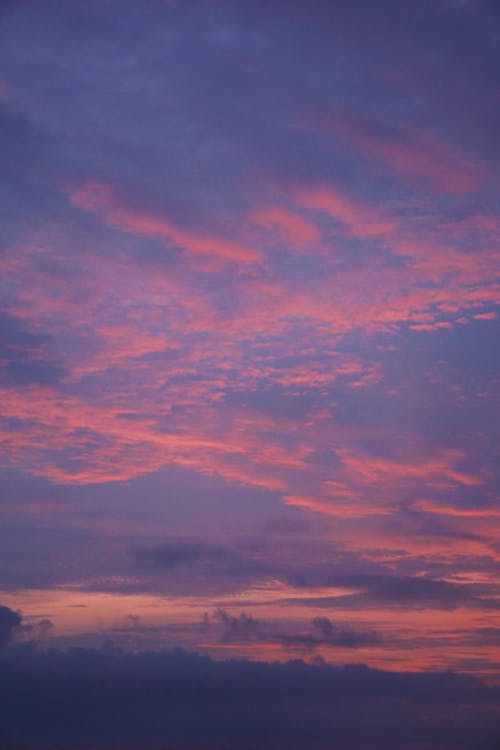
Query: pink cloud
column 425, row 158
column 415, row 155
column 100, row 198
column 440, row 469
column 289, row 226
column 337, row 508
column 452, row 511
column 360, row 220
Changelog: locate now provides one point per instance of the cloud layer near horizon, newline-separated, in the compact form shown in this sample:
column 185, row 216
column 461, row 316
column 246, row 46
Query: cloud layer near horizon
column 108, row 698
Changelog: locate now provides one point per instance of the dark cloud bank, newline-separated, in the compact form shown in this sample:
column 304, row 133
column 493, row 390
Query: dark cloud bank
column 10, row 621
column 181, row 701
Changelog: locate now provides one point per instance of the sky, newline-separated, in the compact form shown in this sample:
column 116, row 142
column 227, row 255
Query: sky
column 249, row 365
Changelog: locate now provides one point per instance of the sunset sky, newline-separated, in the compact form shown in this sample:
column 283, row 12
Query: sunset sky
column 249, row 260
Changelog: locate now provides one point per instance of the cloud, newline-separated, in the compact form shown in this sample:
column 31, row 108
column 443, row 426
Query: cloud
column 413, row 155
column 335, row 635
column 114, row 698
column 26, row 357
column 99, row 198
column 244, row 629
column 14, row 628
column 287, row 225
column 198, row 565
column 240, row 629
column 10, row 622
column 324, row 632
column 360, row 220
column 174, row 554
column 441, row 594
column 360, row 583
column 386, row 588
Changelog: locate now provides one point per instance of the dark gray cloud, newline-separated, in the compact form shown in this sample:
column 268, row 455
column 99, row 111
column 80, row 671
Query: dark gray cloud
column 398, row 591
column 241, row 628
column 200, row 564
column 324, row 632
column 174, row 554
column 14, row 628
column 377, row 584
column 10, row 623
column 245, row 628
column 109, row 698
column 428, row 592
column 335, row 635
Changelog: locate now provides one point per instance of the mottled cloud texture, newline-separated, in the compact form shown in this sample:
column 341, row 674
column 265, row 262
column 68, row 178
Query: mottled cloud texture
column 249, row 364
column 182, row 700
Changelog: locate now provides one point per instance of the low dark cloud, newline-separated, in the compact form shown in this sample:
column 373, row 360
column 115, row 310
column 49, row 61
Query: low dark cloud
column 14, row 629
column 244, row 628
column 110, row 698
column 329, row 633
column 10, row 622
column 241, row 628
